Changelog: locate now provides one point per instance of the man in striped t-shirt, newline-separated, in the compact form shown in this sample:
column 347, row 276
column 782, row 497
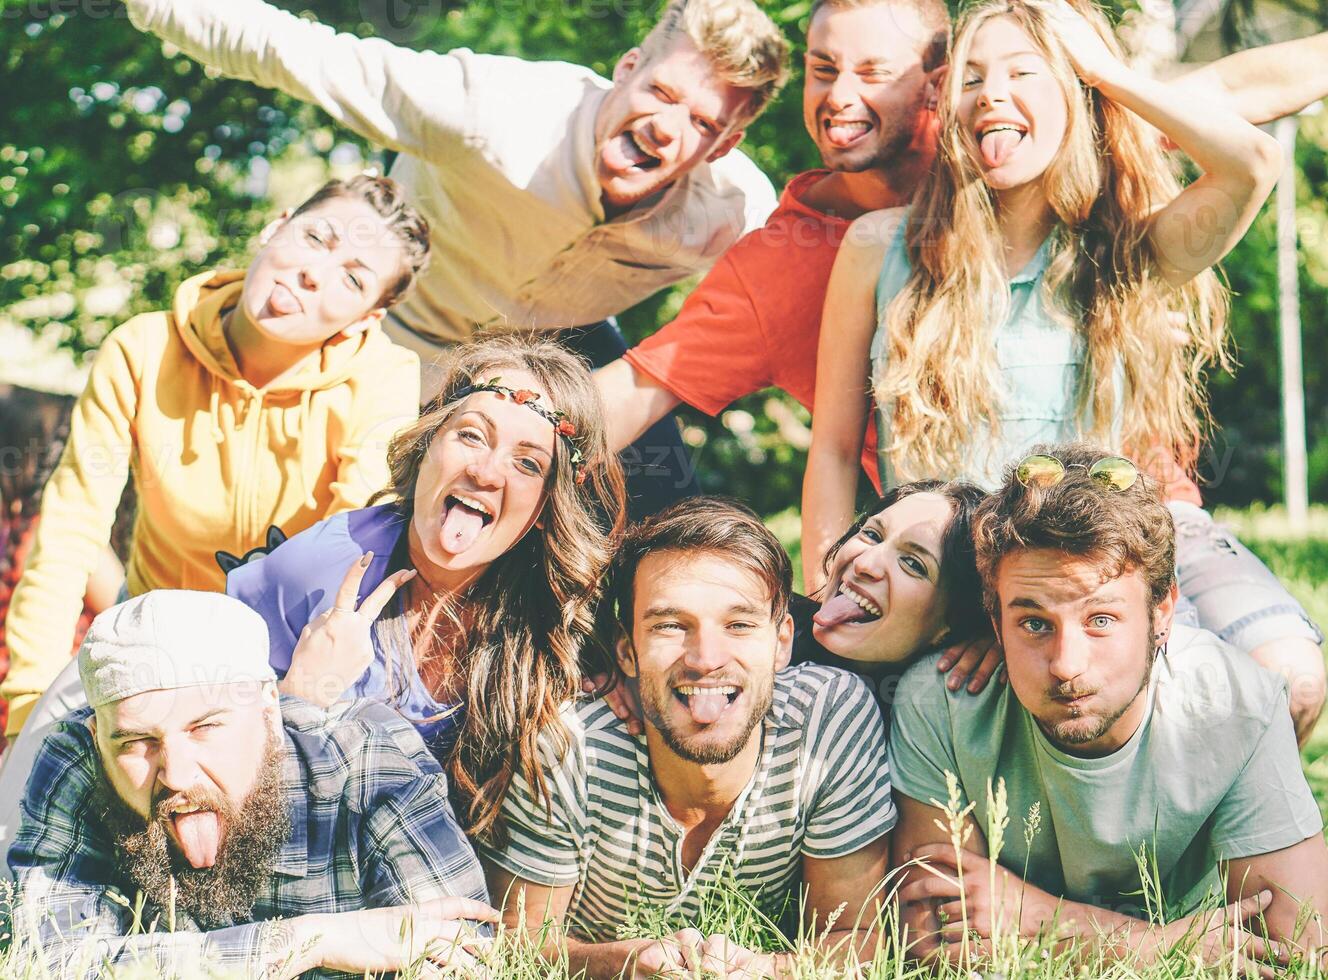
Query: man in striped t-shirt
column 745, row 773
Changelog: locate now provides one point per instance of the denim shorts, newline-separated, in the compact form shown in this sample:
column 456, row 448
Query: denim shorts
column 1226, row 589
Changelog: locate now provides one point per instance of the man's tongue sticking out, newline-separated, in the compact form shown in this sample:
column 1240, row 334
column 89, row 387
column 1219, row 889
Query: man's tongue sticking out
column 998, row 145
column 461, row 526
column 706, row 708
column 838, row 609
column 199, row 836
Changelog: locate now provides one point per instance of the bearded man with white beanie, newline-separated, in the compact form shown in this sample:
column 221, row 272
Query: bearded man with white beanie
column 261, row 834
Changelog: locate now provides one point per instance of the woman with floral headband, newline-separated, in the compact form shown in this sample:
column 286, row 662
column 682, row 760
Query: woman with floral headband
column 467, row 598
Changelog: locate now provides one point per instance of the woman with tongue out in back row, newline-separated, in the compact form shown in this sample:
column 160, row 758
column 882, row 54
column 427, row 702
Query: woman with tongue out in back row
column 466, row 598
column 1050, row 282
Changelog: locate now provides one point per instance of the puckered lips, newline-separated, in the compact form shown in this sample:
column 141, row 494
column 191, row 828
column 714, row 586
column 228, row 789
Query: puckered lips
column 849, row 605
column 465, row 516
column 998, row 138
column 707, row 701
column 631, row 152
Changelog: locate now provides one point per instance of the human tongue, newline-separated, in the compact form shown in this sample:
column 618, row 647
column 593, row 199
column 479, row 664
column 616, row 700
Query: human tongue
column 631, row 152
column 998, row 145
column 199, row 835
column 838, row 609
column 706, row 708
column 461, row 526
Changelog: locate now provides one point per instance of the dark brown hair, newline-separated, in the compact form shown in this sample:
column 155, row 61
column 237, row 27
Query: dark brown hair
column 1117, row 531
column 529, row 619
column 703, row 525
column 965, row 616
column 408, row 225
column 933, row 14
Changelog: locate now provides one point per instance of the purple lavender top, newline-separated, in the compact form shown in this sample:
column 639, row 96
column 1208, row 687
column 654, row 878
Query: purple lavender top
column 299, row 579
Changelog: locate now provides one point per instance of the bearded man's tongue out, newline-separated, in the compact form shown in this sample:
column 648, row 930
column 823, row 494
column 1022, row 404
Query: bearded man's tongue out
column 998, row 145
column 461, row 526
column 706, row 708
column 199, row 836
column 839, row 609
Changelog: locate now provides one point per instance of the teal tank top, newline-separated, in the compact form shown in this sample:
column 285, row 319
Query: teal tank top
column 1040, row 364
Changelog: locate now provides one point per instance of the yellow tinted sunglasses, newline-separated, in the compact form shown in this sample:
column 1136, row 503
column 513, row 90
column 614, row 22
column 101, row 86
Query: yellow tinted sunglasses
column 1112, row 472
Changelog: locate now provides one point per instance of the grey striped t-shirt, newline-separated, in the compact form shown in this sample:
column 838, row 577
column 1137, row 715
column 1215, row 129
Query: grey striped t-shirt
column 820, row 789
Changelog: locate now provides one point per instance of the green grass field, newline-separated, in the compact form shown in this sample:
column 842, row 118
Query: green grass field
column 1303, row 565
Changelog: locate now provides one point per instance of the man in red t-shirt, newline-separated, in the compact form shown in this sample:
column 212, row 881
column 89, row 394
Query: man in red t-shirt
column 871, row 70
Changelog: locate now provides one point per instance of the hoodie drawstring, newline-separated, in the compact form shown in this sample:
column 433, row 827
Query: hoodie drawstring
column 214, row 409
column 305, row 445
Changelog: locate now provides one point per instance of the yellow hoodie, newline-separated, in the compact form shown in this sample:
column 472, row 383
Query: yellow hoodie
column 215, row 462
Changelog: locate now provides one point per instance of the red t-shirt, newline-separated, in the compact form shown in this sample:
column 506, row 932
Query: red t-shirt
column 755, row 320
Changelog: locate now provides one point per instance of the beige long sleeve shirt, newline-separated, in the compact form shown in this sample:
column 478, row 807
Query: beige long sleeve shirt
column 498, row 153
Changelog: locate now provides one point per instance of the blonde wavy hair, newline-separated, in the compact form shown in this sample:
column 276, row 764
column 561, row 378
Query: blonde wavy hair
column 1109, row 175
column 520, row 635
column 736, row 36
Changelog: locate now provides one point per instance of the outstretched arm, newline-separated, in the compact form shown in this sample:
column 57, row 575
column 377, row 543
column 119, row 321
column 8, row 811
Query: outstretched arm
column 410, row 101
column 1265, row 83
column 1240, row 164
column 843, row 370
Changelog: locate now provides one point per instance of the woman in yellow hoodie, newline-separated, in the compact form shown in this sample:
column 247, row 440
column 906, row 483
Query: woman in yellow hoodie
column 262, row 398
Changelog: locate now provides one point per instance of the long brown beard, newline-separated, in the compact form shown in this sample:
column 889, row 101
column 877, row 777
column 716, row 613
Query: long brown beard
column 213, row 897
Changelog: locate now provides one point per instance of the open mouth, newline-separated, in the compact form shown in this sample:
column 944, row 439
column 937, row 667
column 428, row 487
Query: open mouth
column 846, row 133
column 464, row 517
column 847, row 605
column 999, row 141
column 282, row 302
column 705, row 703
column 197, row 832
column 636, row 153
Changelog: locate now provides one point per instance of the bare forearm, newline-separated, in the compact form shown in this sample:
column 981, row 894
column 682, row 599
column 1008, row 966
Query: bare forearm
column 1216, row 138
column 632, row 402
column 1269, row 82
column 601, row 961
column 828, row 491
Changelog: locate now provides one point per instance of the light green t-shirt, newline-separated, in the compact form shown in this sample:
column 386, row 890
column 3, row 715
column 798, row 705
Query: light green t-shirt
column 1212, row 772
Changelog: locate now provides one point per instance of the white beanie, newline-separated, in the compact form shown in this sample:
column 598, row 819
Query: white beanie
column 169, row 639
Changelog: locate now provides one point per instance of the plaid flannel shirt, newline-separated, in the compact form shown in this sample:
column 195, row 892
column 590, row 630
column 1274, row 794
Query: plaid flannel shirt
column 371, row 826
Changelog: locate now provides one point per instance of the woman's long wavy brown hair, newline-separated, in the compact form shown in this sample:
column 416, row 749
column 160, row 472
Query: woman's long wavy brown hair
column 1109, row 175
column 526, row 624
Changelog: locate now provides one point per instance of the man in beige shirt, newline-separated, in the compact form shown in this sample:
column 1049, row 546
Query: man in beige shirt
column 556, row 198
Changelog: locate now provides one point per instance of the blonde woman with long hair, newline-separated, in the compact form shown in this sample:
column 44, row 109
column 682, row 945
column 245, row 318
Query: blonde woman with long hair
column 1052, row 281
column 466, row 599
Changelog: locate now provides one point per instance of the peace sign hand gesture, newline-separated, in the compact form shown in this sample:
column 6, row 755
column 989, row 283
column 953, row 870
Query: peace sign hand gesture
column 335, row 648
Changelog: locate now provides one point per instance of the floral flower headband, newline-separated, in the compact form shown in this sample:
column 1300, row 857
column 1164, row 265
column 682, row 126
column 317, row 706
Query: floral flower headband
column 562, row 425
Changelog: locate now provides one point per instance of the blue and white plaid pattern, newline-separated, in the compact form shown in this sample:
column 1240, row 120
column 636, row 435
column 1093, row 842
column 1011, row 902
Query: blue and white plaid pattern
column 371, row 826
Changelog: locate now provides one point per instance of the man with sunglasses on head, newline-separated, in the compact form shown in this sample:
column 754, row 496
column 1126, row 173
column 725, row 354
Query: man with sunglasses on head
column 1123, row 741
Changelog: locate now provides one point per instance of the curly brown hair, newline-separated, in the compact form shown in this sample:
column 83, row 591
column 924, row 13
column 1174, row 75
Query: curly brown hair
column 1117, row 531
